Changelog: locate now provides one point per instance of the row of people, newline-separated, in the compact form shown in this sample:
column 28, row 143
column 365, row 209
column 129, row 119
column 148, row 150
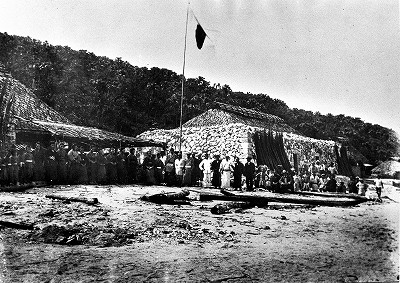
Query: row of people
column 59, row 164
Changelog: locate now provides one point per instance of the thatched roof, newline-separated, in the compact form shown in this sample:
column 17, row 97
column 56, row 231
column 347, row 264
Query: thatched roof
column 35, row 119
column 224, row 114
column 387, row 168
column 20, row 101
column 249, row 113
column 74, row 133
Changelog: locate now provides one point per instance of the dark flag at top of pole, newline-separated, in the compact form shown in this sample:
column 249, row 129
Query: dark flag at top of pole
column 200, row 36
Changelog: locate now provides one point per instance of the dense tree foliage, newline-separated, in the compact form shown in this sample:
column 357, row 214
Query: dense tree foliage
column 114, row 95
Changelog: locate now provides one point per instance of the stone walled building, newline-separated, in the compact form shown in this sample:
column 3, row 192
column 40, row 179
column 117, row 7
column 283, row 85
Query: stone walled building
column 229, row 130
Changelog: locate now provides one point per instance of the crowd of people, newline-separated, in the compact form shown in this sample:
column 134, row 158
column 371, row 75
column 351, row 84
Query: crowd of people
column 59, row 164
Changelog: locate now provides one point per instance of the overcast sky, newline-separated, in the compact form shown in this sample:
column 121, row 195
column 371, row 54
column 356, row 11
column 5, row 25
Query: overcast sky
column 339, row 57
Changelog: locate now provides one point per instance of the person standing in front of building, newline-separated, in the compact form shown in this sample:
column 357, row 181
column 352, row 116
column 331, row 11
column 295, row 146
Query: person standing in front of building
column 39, row 158
column 379, row 187
column 205, row 166
column 132, row 164
column 101, row 162
column 225, row 168
column 74, row 163
column 13, row 167
column 51, row 164
column 249, row 170
column 170, row 168
column 62, row 163
column 158, row 169
column 92, row 165
column 28, row 165
column 121, row 167
column 216, row 174
column 187, row 176
column 196, row 173
column 238, row 169
column 179, row 170
column 362, row 188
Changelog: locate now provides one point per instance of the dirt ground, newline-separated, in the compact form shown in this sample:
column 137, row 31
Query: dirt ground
column 123, row 239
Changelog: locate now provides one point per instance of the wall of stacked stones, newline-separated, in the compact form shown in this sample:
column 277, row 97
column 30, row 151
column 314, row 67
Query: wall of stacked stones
column 236, row 140
column 308, row 149
column 232, row 139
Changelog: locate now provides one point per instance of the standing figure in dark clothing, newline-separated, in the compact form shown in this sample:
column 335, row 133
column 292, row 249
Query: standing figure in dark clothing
column 249, row 171
column 21, row 164
column 28, row 165
column 170, row 168
column 92, row 165
column 121, row 167
column 238, row 169
column 148, row 166
column 111, row 167
column 51, row 164
column 62, row 163
column 352, row 185
column 187, row 175
column 74, row 163
column 83, row 172
column 216, row 173
column 3, row 167
column 196, row 171
column 101, row 176
column 13, row 167
column 39, row 155
column 158, row 169
column 132, row 164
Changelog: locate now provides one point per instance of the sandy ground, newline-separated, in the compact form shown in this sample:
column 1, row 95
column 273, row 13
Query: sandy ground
column 124, row 239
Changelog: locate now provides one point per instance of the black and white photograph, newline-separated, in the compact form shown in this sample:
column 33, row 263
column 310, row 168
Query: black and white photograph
column 218, row 141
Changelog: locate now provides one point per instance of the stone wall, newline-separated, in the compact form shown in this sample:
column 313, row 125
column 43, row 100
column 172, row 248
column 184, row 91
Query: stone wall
column 236, row 140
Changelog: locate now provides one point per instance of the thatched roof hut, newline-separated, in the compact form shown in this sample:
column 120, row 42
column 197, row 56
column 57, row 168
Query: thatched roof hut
column 223, row 114
column 388, row 169
column 24, row 118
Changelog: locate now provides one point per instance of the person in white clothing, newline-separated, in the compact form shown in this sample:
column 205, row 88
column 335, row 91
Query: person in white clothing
column 362, row 187
column 179, row 170
column 226, row 167
column 205, row 166
column 379, row 187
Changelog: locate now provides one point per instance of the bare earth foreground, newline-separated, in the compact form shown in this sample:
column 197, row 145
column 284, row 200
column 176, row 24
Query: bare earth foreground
column 124, row 239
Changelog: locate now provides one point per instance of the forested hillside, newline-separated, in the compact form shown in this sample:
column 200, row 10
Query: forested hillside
column 115, row 95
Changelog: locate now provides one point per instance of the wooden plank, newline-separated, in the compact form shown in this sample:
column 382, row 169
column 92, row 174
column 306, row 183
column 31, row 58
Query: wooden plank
column 16, row 225
column 284, row 198
column 74, row 199
column 168, row 198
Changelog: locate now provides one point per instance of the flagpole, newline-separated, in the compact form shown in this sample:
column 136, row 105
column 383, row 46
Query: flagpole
column 183, row 81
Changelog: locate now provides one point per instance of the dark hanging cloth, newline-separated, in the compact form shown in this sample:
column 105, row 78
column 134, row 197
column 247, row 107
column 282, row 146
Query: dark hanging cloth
column 200, row 36
column 270, row 150
column 345, row 161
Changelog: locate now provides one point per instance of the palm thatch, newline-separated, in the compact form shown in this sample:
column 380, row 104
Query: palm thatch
column 390, row 168
column 74, row 133
column 225, row 114
column 24, row 103
column 34, row 120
